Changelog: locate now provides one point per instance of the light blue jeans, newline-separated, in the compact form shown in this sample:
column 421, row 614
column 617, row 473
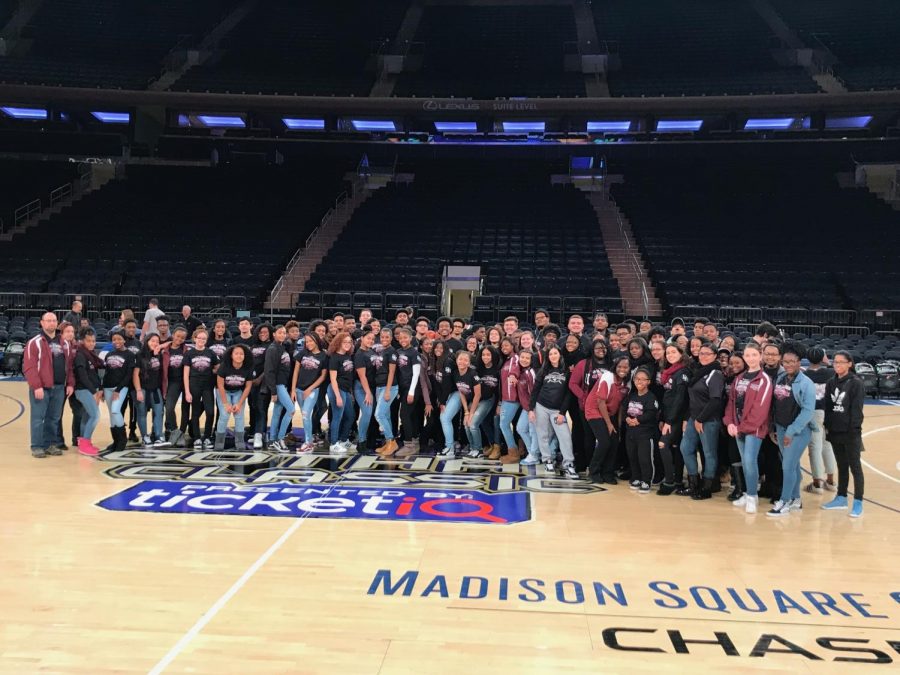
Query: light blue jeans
column 91, row 415
column 282, row 413
column 231, row 398
column 790, row 461
column 749, row 448
column 308, row 408
column 508, row 411
column 341, row 416
column 45, row 416
column 365, row 412
column 528, row 432
column 451, row 409
column 383, row 411
column 115, row 407
column 155, row 404
column 709, row 441
column 473, row 431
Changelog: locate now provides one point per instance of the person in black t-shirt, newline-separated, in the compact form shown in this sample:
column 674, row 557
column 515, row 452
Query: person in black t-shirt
column 365, row 361
column 259, row 402
column 462, row 381
column 340, row 397
column 642, row 418
column 310, row 371
column 409, row 369
column 148, row 391
column 200, row 364
column 172, row 354
column 386, row 390
column 117, row 374
column 234, row 379
column 276, row 380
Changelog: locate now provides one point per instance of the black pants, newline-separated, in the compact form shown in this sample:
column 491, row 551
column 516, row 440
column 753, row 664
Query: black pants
column 260, row 403
column 603, row 461
column 770, row 467
column 670, row 453
column 132, row 412
column 585, row 450
column 173, row 391
column 641, row 445
column 202, row 403
column 319, row 410
column 432, row 434
column 410, row 421
column 847, row 449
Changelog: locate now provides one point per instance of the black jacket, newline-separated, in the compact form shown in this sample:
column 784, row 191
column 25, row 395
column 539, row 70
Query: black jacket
column 706, row 392
column 844, row 400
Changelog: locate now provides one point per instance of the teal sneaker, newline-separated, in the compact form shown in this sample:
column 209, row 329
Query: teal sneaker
column 857, row 510
column 836, row 504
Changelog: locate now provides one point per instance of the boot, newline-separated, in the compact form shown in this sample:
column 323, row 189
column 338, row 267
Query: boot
column 220, row 442
column 705, row 490
column 85, row 448
column 121, row 438
column 112, row 446
column 388, row 449
column 691, row 488
column 495, row 452
column 716, row 485
column 665, row 490
column 512, row 457
column 239, row 441
column 737, row 472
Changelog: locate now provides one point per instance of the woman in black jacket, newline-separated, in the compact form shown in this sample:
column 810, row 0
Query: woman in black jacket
column 673, row 379
column 87, row 390
column 549, row 401
column 844, row 399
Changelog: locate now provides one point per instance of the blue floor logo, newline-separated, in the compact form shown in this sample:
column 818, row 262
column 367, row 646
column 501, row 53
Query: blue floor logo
column 329, row 501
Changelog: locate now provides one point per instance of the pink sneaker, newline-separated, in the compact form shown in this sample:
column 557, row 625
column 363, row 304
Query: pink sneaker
column 86, row 448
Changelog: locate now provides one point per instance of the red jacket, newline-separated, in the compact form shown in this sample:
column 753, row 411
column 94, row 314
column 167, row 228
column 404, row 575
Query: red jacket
column 37, row 364
column 508, row 391
column 607, row 389
column 756, row 418
column 524, row 387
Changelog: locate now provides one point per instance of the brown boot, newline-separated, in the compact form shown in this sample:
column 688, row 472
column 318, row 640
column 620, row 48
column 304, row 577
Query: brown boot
column 494, row 453
column 388, row 449
column 512, row 457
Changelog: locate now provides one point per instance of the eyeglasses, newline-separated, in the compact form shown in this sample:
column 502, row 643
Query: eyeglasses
column 841, row 361
column 706, row 353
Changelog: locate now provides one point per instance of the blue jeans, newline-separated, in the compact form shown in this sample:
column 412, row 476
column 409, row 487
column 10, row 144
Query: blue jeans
column 383, row 411
column 232, row 397
column 308, row 409
column 508, row 411
column 154, row 400
column 282, row 413
column 451, row 408
column 91, row 414
column 115, row 407
column 45, row 416
column 365, row 412
column 749, row 447
column 709, row 440
column 790, row 461
column 473, row 431
column 528, row 432
column 341, row 416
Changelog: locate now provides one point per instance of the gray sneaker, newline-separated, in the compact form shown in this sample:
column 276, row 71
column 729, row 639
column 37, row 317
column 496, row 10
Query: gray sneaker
column 53, row 452
column 38, row 453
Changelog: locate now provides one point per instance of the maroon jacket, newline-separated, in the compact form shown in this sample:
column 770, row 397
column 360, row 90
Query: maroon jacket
column 757, row 414
column 37, row 365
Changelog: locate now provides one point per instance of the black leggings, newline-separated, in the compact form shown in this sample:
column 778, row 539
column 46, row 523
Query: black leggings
column 603, row 461
column 410, row 421
column 670, row 451
column 175, row 390
column 202, row 403
column 641, row 446
column 847, row 449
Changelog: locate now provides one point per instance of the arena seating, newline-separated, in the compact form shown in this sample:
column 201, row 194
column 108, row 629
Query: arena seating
column 24, row 181
column 486, row 52
column 724, row 233
column 175, row 230
column 311, row 48
column 107, row 43
column 864, row 36
column 530, row 237
column 676, row 48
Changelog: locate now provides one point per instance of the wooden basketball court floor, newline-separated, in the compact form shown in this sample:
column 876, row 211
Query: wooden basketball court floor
column 603, row 581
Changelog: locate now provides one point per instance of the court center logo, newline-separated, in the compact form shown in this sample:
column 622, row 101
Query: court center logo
column 256, row 483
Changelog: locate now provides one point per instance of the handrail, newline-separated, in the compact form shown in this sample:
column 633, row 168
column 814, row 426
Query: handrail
column 635, row 264
column 26, row 211
column 59, row 194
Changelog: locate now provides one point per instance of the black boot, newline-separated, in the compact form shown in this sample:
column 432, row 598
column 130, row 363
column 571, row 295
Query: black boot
column 112, row 446
column 737, row 472
column 705, row 489
column 665, row 490
column 121, row 438
column 691, row 488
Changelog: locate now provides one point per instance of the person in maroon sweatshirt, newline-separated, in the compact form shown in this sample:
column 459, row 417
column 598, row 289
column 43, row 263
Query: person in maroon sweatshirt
column 748, row 418
column 47, row 366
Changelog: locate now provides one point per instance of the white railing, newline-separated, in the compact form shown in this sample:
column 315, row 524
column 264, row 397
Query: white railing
column 26, row 211
column 634, row 261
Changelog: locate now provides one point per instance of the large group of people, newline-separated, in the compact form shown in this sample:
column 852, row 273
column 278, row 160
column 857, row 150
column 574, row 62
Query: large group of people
column 682, row 408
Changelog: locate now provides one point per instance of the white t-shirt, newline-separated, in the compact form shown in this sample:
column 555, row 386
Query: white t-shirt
column 150, row 318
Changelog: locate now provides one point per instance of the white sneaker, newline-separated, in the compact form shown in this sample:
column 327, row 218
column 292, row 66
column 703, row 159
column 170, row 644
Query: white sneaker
column 447, row 452
column 208, row 444
column 550, row 466
column 474, row 454
column 751, row 504
column 198, row 444
column 337, row 449
column 275, row 446
column 780, row 509
column 740, row 501
column 812, row 489
column 148, row 442
column 795, row 505
column 161, row 443
column 257, row 441
column 570, row 472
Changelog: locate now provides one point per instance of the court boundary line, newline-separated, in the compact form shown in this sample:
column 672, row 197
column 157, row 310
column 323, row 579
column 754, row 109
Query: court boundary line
column 219, row 604
column 876, row 470
column 20, row 413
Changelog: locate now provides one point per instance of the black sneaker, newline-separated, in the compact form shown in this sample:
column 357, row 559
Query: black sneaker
column 38, row 453
column 133, row 437
column 62, row 446
column 665, row 490
column 610, row 480
column 635, row 484
column 644, row 488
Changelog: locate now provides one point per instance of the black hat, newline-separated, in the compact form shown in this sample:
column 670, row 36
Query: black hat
column 678, row 321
